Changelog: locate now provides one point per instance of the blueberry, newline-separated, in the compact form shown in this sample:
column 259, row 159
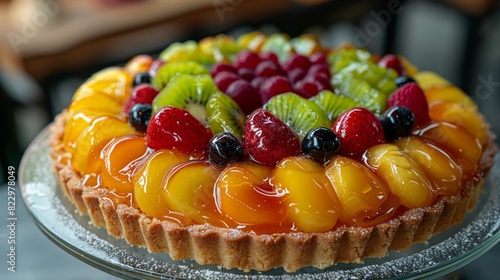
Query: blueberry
column 321, row 144
column 401, row 80
column 139, row 116
column 225, row 148
column 141, row 78
column 397, row 122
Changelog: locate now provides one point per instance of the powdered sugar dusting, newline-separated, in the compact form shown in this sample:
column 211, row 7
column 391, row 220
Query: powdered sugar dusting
column 57, row 217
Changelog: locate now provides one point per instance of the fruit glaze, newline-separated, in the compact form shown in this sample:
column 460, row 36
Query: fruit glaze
column 239, row 152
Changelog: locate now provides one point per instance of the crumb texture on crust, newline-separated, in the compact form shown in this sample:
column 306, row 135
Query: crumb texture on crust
column 232, row 248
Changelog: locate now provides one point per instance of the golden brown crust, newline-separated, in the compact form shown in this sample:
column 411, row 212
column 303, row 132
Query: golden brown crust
column 233, row 248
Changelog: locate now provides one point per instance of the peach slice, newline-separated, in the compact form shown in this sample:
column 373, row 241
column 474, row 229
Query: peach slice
column 456, row 113
column 311, row 202
column 444, row 174
column 449, row 92
column 148, row 182
column 360, row 191
column 115, row 82
column 96, row 102
column 88, row 146
column 139, row 63
column 456, row 141
column 243, row 193
column 76, row 122
column 189, row 190
column 121, row 157
column 427, row 79
column 404, row 177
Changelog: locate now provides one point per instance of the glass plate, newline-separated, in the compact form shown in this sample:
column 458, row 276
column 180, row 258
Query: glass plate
column 59, row 220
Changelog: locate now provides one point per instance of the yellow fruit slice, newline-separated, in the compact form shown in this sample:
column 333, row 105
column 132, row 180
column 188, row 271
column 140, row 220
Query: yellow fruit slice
column 444, row 174
column 245, row 195
column 120, row 159
column 361, row 193
column 427, row 79
column 451, row 93
column 189, row 189
column 88, row 146
column 148, row 182
column 458, row 114
column 311, row 202
column 404, row 177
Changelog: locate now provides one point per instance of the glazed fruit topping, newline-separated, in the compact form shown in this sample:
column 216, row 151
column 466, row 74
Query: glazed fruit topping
column 321, row 144
column 175, row 128
column 402, row 80
column 393, row 62
column 143, row 93
column 141, row 78
column 412, row 97
column 256, row 78
column 225, row 148
column 358, row 129
column 139, row 116
column 268, row 139
column 397, row 122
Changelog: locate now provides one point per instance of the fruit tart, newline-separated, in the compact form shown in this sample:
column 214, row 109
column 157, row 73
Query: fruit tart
column 269, row 151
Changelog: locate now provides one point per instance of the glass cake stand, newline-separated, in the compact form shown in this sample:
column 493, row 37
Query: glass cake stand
column 59, row 220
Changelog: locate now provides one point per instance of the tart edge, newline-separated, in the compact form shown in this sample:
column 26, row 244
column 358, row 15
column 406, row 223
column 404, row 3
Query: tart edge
column 232, row 248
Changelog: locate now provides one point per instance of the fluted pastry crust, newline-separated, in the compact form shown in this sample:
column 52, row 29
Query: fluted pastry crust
column 232, row 248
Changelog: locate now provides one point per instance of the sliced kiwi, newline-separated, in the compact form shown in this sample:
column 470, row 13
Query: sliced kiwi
column 361, row 91
column 188, row 92
column 333, row 104
column 170, row 70
column 380, row 78
column 300, row 114
column 343, row 57
column 224, row 115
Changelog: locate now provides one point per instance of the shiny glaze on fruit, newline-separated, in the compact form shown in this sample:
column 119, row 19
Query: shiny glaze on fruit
column 294, row 194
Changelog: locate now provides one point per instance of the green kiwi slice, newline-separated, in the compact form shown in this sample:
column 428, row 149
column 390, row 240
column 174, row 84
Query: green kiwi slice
column 170, row 70
column 224, row 115
column 188, row 92
column 300, row 114
column 333, row 104
column 361, row 91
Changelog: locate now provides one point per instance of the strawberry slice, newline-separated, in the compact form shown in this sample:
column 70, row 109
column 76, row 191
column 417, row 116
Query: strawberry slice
column 411, row 96
column 268, row 139
column 358, row 129
column 175, row 128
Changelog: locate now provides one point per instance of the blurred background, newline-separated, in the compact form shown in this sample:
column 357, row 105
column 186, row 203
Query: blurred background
column 49, row 47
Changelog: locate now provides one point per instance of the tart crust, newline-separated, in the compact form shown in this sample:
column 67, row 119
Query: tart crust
column 232, row 248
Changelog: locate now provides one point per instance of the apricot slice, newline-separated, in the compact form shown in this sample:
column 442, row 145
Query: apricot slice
column 456, row 113
column 88, row 146
column 96, row 102
column 427, row 79
column 148, row 182
column 444, row 174
column 243, row 193
column 404, row 177
column 311, row 202
column 139, row 63
column 189, row 189
column 360, row 191
column 456, row 141
column 121, row 157
column 451, row 93
column 76, row 122
column 116, row 83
